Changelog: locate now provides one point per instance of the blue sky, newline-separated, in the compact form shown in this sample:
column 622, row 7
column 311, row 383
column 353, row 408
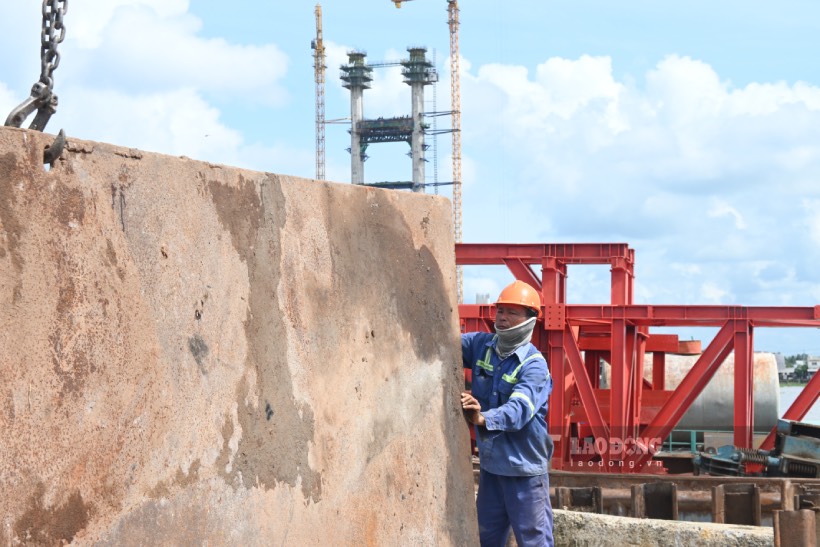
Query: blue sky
column 689, row 130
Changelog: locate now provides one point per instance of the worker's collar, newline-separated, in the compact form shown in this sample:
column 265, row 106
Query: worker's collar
column 513, row 340
column 520, row 352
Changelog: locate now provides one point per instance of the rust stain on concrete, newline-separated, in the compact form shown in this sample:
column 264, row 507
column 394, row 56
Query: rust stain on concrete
column 10, row 224
column 240, row 212
column 42, row 525
column 70, row 206
column 275, row 441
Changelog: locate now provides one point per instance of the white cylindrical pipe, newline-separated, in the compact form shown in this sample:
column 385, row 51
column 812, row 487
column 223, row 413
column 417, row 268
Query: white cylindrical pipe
column 713, row 409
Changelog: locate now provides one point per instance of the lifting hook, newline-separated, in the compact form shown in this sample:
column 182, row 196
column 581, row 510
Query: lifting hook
column 42, row 100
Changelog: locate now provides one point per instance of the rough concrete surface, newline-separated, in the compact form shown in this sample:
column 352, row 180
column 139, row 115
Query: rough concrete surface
column 194, row 353
column 576, row 529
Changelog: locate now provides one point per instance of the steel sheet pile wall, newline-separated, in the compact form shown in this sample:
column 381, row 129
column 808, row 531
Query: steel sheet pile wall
column 193, row 352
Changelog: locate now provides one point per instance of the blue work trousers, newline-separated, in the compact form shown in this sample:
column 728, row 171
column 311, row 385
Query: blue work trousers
column 520, row 502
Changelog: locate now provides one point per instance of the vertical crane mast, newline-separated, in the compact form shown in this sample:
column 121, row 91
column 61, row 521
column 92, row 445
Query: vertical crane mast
column 319, row 71
column 455, row 98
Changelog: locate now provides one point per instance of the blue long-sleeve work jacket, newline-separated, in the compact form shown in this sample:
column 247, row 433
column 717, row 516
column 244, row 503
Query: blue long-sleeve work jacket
column 513, row 394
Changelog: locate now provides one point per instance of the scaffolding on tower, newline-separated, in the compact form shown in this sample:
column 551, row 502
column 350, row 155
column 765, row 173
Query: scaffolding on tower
column 319, row 72
column 455, row 98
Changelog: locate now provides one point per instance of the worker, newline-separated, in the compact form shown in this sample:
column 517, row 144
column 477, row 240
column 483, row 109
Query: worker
column 511, row 385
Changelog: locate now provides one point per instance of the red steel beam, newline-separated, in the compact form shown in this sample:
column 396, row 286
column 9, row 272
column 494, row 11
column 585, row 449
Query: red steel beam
column 704, row 316
column 744, row 385
column 619, row 381
column 685, row 315
column 558, row 415
column 595, row 339
column 553, row 281
column 638, row 379
column 475, row 254
column 622, row 282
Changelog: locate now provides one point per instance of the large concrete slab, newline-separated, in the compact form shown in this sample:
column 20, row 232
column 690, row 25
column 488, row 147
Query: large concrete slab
column 197, row 353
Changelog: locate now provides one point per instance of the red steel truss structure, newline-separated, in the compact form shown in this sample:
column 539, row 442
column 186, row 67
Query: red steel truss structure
column 627, row 419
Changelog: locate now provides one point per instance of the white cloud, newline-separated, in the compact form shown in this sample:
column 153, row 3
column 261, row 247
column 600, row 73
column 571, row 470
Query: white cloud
column 89, row 18
column 712, row 293
column 687, row 270
column 142, row 48
column 811, row 208
column 721, row 209
column 685, row 91
column 767, row 98
column 282, row 158
column 389, row 96
column 571, row 85
column 335, row 57
column 685, row 130
column 177, row 123
column 7, row 101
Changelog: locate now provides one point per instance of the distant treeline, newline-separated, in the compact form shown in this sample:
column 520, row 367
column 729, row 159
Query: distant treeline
column 791, row 360
column 799, row 373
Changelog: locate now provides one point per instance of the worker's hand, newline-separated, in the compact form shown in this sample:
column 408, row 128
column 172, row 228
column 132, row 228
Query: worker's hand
column 471, row 409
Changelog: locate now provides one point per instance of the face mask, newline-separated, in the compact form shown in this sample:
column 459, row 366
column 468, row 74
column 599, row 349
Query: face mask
column 511, row 339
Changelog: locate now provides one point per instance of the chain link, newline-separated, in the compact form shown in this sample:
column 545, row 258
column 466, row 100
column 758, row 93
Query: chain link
column 42, row 99
column 53, row 12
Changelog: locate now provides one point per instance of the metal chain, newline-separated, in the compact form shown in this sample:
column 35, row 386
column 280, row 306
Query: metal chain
column 53, row 13
column 42, row 99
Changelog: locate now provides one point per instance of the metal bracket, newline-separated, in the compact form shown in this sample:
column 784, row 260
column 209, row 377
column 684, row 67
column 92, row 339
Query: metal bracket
column 42, row 100
column 53, row 151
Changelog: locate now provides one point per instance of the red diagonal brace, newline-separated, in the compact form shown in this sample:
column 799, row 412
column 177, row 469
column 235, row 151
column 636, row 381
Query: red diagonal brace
column 584, row 385
column 690, row 387
column 523, row 272
column 799, row 408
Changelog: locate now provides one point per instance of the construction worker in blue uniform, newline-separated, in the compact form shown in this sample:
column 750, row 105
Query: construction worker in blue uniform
column 511, row 385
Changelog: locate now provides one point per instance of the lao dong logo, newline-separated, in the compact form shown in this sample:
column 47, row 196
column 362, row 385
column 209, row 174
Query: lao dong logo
column 615, row 446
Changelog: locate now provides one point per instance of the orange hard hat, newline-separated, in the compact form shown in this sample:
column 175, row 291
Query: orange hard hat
column 520, row 294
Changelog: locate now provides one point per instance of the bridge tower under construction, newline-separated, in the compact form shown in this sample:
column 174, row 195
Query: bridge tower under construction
column 357, row 75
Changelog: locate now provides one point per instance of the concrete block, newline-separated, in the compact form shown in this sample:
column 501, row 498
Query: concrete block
column 574, row 529
column 196, row 353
